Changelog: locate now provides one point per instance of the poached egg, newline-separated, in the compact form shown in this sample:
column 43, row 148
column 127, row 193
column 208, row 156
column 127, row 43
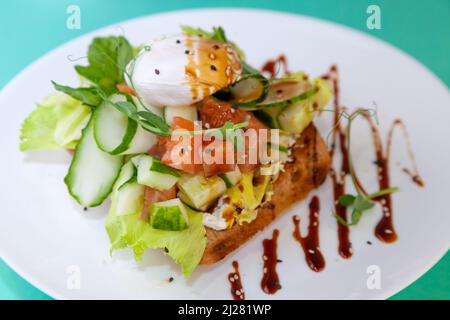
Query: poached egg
column 182, row 70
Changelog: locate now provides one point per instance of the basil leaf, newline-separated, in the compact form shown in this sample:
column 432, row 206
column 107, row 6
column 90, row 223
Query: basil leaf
column 341, row 220
column 155, row 120
column 126, row 107
column 108, row 58
column 356, row 216
column 346, row 200
column 362, row 203
column 88, row 96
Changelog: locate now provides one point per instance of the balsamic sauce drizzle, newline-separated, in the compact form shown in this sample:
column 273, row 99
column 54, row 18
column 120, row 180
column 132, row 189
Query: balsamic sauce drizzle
column 310, row 243
column 270, row 282
column 273, row 66
column 339, row 135
column 234, row 278
column 384, row 230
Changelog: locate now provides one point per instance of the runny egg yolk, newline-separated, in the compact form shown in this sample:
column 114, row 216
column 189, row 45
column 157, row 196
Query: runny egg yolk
column 212, row 65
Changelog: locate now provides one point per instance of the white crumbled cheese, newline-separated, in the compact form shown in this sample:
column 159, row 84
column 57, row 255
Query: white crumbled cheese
column 288, row 140
column 216, row 220
column 271, row 170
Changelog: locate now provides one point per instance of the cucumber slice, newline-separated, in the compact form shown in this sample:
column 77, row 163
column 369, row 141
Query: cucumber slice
column 287, row 92
column 142, row 141
column 200, row 192
column 127, row 173
column 113, row 130
column 186, row 112
column 128, row 199
column 151, row 172
column 296, row 117
column 269, row 116
column 231, row 178
column 250, row 90
column 169, row 215
column 92, row 172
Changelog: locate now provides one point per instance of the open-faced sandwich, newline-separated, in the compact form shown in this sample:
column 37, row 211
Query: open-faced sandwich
column 197, row 150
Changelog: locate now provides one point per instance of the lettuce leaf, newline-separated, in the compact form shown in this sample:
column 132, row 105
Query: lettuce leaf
column 108, row 58
column 185, row 247
column 56, row 123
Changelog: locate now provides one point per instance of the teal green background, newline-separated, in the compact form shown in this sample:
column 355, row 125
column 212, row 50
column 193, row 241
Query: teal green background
column 421, row 28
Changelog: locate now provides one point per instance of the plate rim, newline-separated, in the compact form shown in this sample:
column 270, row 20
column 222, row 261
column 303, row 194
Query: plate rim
column 383, row 294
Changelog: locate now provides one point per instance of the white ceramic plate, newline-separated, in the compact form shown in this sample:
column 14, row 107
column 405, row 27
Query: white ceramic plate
column 46, row 237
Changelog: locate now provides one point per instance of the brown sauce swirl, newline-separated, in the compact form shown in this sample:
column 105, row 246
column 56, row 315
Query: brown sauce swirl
column 310, row 243
column 270, row 282
column 234, row 278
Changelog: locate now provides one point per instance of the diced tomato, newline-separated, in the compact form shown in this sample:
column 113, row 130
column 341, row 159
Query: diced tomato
column 195, row 154
column 124, row 88
column 183, row 151
column 214, row 113
column 215, row 157
column 152, row 195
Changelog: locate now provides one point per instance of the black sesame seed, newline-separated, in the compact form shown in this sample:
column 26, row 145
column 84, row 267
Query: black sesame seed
column 187, row 51
column 156, row 71
column 85, row 208
column 166, row 250
column 216, row 46
column 369, row 243
column 178, row 41
column 170, row 279
column 378, row 163
column 213, row 68
column 279, row 91
column 279, row 260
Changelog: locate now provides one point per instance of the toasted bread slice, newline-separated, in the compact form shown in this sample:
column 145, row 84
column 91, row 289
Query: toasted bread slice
column 307, row 171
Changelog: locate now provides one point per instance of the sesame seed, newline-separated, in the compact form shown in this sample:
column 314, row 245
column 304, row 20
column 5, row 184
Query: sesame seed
column 369, row 243
column 178, row 41
column 85, row 208
column 213, row 68
column 236, row 276
column 265, row 258
column 212, row 56
column 216, row 46
column 238, row 293
column 207, row 125
column 311, row 251
column 388, row 231
column 227, row 71
column 156, row 71
column 186, row 51
column 265, row 270
column 231, row 279
column 170, row 279
column 315, row 224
